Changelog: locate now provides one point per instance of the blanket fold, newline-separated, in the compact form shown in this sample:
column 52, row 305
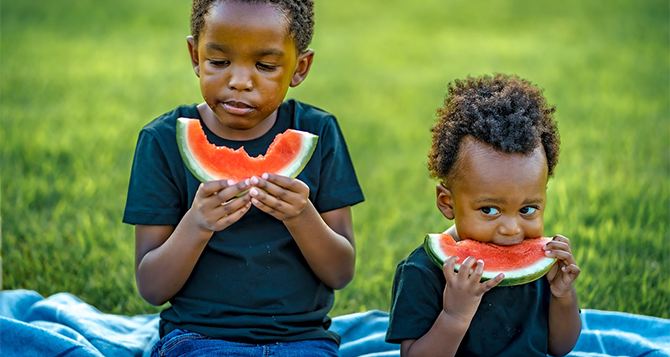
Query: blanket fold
column 62, row 324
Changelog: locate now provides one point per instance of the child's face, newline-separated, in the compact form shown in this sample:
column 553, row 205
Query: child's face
column 496, row 197
column 246, row 60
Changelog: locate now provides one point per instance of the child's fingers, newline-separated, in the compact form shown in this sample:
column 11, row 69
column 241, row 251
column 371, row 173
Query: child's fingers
column 477, row 271
column 476, row 276
column 448, row 268
column 561, row 238
column 285, row 182
column 561, row 241
column 209, row 188
column 466, row 269
column 231, row 206
column 479, row 268
column 273, row 206
column 261, row 205
column 233, row 216
column 553, row 271
column 266, row 202
column 232, row 190
column 557, row 245
column 492, row 283
column 565, row 257
column 277, row 191
column 571, row 269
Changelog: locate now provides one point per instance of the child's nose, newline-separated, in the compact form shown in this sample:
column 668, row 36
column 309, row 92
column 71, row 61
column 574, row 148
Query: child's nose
column 240, row 79
column 510, row 226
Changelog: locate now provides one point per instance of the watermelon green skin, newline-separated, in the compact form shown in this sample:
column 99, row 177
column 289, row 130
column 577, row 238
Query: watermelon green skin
column 292, row 168
column 513, row 276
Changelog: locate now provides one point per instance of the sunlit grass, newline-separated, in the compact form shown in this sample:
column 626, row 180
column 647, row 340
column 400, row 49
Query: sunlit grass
column 79, row 81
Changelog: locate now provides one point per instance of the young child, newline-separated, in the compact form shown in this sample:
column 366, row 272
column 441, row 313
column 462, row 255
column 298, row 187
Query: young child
column 252, row 274
column 494, row 146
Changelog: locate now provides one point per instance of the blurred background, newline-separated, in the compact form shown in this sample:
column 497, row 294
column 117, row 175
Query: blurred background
column 79, row 78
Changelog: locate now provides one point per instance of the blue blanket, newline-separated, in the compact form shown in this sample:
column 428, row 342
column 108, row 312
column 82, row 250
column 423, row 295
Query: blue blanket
column 62, row 324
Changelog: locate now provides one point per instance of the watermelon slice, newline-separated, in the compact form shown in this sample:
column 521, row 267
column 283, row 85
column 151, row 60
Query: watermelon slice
column 287, row 155
column 521, row 263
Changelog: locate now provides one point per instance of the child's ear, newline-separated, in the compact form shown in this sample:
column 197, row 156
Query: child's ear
column 302, row 67
column 193, row 53
column 445, row 201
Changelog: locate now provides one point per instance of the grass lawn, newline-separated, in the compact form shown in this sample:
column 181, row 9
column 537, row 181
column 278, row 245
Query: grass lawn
column 80, row 78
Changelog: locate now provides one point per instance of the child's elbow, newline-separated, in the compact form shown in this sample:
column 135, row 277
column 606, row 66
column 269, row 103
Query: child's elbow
column 561, row 350
column 559, row 353
column 340, row 280
column 151, row 296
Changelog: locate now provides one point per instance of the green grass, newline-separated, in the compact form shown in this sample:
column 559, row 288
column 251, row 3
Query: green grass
column 80, row 78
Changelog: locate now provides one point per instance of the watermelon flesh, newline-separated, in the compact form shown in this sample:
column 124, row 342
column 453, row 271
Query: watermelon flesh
column 521, row 263
column 287, row 155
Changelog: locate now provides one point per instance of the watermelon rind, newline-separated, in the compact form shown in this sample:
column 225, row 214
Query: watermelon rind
column 512, row 277
column 308, row 145
column 186, row 154
column 309, row 141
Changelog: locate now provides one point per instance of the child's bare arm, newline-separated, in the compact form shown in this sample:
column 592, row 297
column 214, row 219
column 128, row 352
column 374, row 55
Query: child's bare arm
column 165, row 255
column 462, row 294
column 325, row 240
column 564, row 322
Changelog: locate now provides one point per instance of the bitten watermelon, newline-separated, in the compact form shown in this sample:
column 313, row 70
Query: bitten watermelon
column 287, row 155
column 521, row 263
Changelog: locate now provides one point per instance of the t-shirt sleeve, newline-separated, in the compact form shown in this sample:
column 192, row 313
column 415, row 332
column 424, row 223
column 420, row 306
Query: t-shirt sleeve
column 416, row 303
column 153, row 195
column 339, row 185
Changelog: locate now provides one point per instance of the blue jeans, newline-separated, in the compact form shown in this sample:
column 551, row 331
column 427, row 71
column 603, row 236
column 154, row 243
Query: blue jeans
column 186, row 343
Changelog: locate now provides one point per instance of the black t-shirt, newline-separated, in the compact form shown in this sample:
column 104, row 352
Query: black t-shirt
column 510, row 321
column 251, row 283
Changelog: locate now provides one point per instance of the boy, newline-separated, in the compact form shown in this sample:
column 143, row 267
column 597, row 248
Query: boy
column 248, row 267
column 494, row 146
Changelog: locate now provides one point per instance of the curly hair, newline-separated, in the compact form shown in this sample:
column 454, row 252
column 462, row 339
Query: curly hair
column 300, row 15
column 504, row 111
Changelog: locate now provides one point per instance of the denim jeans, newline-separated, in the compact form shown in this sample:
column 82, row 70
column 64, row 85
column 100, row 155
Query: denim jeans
column 186, row 343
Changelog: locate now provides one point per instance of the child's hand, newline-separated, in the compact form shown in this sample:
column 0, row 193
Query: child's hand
column 563, row 274
column 279, row 196
column 463, row 291
column 215, row 206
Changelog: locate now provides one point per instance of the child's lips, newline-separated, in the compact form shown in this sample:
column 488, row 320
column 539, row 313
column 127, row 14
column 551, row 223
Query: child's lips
column 237, row 107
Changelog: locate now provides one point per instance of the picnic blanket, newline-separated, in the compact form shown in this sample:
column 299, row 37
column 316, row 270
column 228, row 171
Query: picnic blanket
column 62, row 324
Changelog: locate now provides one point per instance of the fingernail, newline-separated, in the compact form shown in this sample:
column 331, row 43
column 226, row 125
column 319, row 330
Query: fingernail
column 230, row 182
column 265, row 176
column 254, row 180
column 253, row 192
column 547, row 252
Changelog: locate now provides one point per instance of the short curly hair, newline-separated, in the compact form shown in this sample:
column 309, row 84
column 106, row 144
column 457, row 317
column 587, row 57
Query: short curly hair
column 504, row 111
column 300, row 15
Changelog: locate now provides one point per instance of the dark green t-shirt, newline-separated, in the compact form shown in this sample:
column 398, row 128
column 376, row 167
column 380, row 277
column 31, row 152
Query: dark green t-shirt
column 510, row 321
column 251, row 283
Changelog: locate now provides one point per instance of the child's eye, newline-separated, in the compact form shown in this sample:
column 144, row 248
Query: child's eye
column 266, row 67
column 489, row 211
column 219, row 63
column 528, row 210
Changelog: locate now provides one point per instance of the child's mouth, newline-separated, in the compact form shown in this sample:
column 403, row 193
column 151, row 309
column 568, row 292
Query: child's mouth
column 237, row 108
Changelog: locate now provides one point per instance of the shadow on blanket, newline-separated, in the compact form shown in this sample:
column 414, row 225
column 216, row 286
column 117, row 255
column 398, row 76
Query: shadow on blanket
column 62, row 324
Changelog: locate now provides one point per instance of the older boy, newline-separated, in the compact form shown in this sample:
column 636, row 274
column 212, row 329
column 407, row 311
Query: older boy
column 248, row 267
